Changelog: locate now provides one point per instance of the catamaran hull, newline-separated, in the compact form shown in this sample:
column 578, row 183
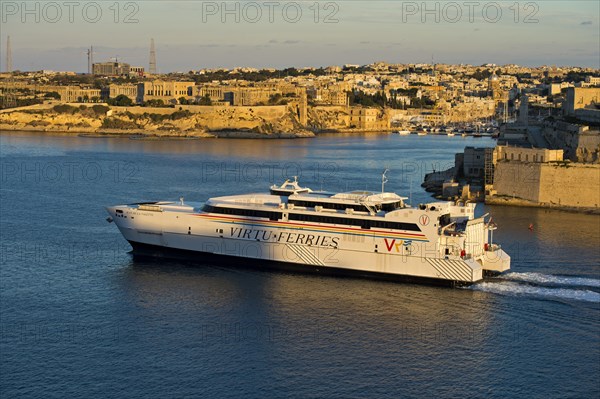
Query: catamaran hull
column 342, row 260
column 147, row 251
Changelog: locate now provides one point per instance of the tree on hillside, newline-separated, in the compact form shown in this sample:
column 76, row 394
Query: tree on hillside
column 120, row 101
column 154, row 103
column 205, row 100
column 52, row 94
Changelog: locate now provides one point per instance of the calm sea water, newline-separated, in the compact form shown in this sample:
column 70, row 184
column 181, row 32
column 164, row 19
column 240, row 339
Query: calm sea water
column 79, row 317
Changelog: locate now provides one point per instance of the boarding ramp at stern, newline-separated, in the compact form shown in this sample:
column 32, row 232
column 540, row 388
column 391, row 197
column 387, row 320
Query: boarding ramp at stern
column 476, row 237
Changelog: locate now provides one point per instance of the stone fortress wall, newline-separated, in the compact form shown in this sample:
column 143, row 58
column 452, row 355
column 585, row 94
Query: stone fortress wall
column 549, row 184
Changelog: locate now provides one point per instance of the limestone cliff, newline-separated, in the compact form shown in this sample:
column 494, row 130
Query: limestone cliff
column 183, row 121
column 327, row 118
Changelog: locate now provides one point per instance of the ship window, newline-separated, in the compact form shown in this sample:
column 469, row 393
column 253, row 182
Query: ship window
column 242, row 212
column 391, row 207
column 444, row 220
column 327, row 205
column 362, row 223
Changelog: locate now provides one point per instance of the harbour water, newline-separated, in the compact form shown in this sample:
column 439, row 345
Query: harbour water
column 79, row 317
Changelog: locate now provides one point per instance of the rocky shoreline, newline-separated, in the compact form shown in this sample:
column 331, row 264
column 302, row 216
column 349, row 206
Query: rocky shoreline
column 144, row 135
column 509, row 201
column 155, row 123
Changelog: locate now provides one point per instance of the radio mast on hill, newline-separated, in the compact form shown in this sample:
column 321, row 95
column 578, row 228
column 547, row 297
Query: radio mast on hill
column 90, row 55
column 152, row 69
column 9, row 64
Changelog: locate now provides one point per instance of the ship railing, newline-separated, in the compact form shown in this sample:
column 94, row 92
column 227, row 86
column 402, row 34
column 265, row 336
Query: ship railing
column 370, row 207
column 492, row 247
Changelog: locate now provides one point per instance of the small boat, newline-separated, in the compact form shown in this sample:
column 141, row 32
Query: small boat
column 403, row 132
column 422, row 133
column 450, row 134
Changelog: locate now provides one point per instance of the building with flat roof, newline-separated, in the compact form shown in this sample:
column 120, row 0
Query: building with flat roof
column 76, row 94
column 367, row 118
column 523, row 154
column 580, row 97
column 111, row 69
column 114, row 90
column 593, row 80
column 474, row 161
column 137, row 71
column 167, row 91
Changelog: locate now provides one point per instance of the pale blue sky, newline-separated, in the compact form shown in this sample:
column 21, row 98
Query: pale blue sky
column 191, row 34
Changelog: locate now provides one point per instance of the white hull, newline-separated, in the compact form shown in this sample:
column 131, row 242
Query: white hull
column 422, row 255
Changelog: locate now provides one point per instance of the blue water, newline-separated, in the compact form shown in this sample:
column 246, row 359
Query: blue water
column 79, row 317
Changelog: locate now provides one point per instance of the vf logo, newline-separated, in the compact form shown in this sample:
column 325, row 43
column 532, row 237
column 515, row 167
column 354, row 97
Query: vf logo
column 424, row 220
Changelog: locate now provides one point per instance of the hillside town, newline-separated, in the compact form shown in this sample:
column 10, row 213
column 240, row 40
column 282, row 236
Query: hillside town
column 302, row 101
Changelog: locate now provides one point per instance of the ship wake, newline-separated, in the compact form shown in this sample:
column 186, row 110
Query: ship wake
column 538, row 278
column 543, row 286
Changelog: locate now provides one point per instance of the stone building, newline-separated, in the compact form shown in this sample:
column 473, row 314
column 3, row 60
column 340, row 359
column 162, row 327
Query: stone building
column 113, row 91
column 593, row 80
column 111, row 69
column 522, row 154
column 331, row 94
column 167, row 91
column 367, row 118
column 247, row 95
column 73, row 94
column 235, row 95
column 580, row 97
column 216, row 93
column 137, row 71
column 475, row 160
column 542, row 182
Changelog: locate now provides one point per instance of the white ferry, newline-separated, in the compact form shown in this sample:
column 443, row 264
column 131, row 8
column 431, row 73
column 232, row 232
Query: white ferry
column 359, row 233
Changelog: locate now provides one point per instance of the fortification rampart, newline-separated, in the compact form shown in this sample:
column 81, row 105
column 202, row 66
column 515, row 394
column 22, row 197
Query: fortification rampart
column 552, row 184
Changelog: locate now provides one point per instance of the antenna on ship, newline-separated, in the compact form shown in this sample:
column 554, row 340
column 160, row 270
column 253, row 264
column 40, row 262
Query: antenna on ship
column 384, row 180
